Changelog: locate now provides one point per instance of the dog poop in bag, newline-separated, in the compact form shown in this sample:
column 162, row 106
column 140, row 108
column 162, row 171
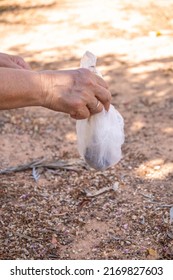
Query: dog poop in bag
column 101, row 136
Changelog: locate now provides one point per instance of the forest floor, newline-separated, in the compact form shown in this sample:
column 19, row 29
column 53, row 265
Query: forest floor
column 62, row 215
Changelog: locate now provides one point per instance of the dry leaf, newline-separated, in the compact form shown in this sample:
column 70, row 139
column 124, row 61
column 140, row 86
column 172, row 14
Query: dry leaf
column 152, row 254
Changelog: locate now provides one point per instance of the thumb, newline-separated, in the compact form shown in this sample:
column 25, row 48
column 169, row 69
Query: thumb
column 24, row 65
column 14, row 66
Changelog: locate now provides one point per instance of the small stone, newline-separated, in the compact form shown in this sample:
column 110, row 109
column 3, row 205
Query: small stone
column 125, row 226
column 157, row 167
column 134, row 217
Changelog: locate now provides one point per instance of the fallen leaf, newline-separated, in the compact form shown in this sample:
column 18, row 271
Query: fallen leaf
column 152, row 254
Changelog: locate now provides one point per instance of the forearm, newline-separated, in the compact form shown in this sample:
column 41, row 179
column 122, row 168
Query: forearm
column 19, row 88
column 75, row 92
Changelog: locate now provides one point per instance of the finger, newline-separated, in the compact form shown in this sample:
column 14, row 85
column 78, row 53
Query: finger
column 82, row 113
column 104, row 96
column 24, row 64
column 20, row 62
column 98, row 109
column 95, row 106
column 14, row 66
column 101, row 82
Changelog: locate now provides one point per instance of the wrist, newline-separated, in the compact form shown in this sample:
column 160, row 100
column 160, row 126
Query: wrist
column 45, row 87
column 35, row 95
column 51, row 87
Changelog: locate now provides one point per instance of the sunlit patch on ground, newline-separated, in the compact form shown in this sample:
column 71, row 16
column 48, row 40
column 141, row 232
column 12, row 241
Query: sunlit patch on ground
column 155, row 169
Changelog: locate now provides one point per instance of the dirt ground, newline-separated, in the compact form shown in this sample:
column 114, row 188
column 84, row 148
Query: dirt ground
column 55, row 218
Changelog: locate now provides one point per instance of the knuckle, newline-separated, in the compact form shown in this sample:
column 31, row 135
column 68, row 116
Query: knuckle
column 83, row 115
column 84, row 71
column 19, row 57
column 100, row 108
column 74, row 116
column 79, row 115
column 77, row 105
column 89, row 82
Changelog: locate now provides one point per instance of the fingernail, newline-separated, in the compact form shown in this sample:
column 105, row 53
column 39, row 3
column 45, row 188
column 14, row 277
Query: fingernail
column 107, row 107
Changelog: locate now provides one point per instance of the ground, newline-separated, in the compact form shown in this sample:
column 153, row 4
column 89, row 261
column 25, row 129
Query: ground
column 55, row 218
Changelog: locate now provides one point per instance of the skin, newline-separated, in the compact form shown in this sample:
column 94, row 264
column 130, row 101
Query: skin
column 13, row 61
column 75, row 92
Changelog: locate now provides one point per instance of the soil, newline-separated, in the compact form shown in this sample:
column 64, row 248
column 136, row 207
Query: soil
column 67, row 213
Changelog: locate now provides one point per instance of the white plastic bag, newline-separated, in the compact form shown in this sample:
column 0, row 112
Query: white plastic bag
column 100, row 137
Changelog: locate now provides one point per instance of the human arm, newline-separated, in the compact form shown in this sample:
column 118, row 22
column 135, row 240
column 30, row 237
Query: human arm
column 70, row 91
column 19, row 88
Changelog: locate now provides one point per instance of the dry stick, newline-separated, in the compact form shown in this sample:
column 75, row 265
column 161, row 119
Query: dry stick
column 27, row 237
column 150, row 196
column 165, row 205
column 35, row 174
column 170, row 234
column 22, row 167
column 160, row 205
column 156, row 202
column 103, row 190
column 117, row 238
column 57, row 164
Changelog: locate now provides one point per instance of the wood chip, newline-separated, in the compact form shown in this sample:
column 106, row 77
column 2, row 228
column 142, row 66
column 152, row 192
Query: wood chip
column 103, row 190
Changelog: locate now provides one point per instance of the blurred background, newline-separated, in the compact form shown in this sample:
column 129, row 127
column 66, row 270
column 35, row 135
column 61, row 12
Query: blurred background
column 133, row 42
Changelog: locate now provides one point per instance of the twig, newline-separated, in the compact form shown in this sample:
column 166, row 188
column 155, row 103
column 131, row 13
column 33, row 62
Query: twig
column 57, row 164
column 35, row 174
column 61, row 214
column 162, row 205
column 117, row 238
column 103, row 190
column 170, row 234
column 150, row 196
column 22, row 167
column 26, row 237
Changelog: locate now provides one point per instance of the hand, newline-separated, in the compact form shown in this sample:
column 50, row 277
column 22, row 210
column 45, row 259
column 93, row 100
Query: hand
column 13, row 61
column 75, row 92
